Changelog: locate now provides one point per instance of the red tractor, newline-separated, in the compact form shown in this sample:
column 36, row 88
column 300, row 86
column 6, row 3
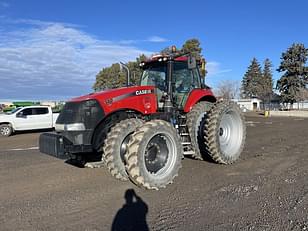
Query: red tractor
column 143, row 132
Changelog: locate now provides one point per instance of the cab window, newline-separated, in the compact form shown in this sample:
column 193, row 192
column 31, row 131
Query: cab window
column 155, row 76
column 182, row 77
column 196, row 80
column 40, row 111
column 26, row 112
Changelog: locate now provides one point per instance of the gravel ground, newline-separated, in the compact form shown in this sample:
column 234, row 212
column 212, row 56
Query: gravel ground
column 267, row 189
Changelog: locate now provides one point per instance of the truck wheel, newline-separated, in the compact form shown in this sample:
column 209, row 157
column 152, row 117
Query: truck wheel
column 154, row 155
column 115, row 146
column 6, row 130
column 225, row 132
column 196, row 119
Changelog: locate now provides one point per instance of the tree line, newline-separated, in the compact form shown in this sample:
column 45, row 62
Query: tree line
column 292, row 85
column 256, row 82
column 113, row 77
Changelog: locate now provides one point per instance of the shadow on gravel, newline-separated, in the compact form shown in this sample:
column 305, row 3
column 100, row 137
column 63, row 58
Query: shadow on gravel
column 33, row 131
column 81, row 159
column 132, row 216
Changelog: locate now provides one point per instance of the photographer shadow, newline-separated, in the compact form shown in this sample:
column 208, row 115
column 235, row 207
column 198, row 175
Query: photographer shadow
column 132, row 216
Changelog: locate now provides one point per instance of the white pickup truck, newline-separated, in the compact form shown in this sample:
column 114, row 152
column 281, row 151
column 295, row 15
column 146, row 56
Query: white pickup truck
column 27, row 118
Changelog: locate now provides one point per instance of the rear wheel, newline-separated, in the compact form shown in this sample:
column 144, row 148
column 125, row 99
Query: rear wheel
column 225, row 132
column 115, row 146
column 6, row 130
column 154, row 155
column 196, row 119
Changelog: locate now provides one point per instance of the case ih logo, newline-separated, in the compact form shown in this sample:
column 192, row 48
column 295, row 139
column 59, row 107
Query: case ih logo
column 109, row 101
column 143, row 92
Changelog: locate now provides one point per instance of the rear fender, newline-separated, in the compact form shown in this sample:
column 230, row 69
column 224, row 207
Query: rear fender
column 198, row 95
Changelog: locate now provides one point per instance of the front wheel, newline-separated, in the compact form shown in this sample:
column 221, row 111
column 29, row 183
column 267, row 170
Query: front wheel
column 6, row 130
column 115, row 146
column 225, row 132
column 154, row 155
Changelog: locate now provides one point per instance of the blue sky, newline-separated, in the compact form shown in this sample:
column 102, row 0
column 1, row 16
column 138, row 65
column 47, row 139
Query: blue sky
column 54, row 49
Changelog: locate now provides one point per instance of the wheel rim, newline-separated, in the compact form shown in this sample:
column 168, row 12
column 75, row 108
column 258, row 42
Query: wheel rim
column 5, row 131
column 160, row 155
column 123, row 147
column 199, row 123
column 230, row 133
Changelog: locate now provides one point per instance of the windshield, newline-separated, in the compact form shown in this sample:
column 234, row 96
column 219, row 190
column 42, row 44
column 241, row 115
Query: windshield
column 154, row 76
column 13, row 111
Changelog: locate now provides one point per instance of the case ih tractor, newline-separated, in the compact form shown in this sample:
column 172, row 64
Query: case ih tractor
column 143, row 132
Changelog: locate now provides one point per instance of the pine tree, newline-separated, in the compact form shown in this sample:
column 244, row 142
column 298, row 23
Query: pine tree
column 266, row 82
column 192, row 46
column 251, row 80
column 295, row 73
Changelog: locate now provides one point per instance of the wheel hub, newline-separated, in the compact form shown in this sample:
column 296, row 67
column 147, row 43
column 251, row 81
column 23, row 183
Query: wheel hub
column 5, row 130
column 230, row 133
column 123, row 148
column 221, row 131
column 156, row 154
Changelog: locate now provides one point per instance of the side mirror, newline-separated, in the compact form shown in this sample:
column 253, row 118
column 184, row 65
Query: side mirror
column 192, row 64
column 20, row 115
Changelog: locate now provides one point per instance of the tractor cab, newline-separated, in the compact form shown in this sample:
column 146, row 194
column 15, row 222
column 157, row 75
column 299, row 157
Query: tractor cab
column 174, row 76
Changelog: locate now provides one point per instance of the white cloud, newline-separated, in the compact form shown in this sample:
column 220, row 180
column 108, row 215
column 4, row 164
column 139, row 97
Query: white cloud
column 54, row 60
column 216, row 74
column 156, row 39
column 152, row 39
column 214, row 69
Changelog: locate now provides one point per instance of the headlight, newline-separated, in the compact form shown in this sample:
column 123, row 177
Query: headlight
column 70, row 127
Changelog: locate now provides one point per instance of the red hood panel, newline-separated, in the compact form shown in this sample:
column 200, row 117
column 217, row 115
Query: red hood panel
column 124, row 98
column 102, row 95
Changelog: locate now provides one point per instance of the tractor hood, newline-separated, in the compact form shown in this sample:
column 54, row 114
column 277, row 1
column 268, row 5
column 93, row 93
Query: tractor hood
column 135, row 98
column 111, row 93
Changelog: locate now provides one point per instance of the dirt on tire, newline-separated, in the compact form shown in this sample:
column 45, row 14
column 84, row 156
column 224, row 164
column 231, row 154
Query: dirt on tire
column 136, row 159
column 113, row 145
column 196, row 119
column 223, row 133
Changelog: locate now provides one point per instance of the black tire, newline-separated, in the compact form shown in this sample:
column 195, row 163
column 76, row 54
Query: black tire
column 154, row 155
column 6, row 130
column 115, row 146
column 195, row 121
column 225, row 132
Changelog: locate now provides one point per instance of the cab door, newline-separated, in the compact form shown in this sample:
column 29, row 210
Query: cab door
column 185, row 80
column 24, row 119
column 42, row 117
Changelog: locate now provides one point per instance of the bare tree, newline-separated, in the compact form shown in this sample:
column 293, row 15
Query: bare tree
column 228, row 89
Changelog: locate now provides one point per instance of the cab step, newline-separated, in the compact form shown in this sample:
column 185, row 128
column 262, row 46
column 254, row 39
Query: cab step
column 190, row 152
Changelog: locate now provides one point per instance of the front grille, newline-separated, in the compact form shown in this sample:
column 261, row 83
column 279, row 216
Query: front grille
column 88, row 112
